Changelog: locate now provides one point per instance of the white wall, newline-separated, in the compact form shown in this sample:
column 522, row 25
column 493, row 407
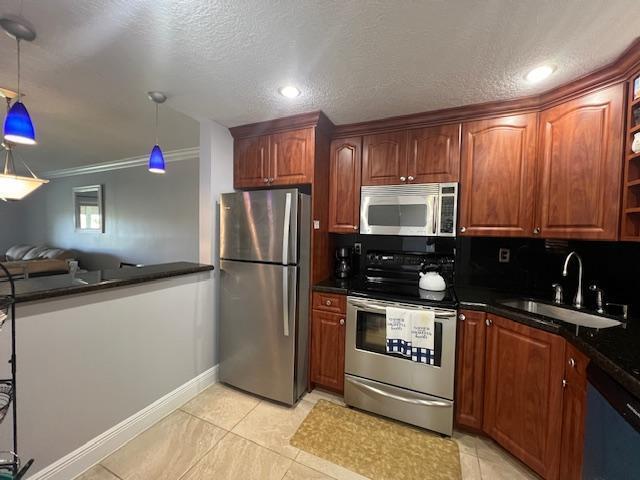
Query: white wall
column 216, row 177
column 149, row 218
column 87, row 362
column 12, row 225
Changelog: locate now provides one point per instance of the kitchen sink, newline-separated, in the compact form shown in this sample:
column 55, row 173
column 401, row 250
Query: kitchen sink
column 566, row 314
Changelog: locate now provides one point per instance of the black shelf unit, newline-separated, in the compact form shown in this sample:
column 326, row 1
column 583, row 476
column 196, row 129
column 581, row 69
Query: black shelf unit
column 10, row 468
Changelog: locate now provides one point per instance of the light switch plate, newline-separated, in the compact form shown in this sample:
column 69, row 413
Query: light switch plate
column 316, row 224
column 504, row 255
column 357, row 248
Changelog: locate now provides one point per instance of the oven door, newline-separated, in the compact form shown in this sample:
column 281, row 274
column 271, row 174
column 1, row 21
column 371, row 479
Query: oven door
column 399, row 210
column 366, row 356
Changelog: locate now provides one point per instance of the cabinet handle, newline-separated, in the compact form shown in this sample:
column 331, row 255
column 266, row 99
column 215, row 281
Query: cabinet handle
column 462, row 317
column 403, row 179
column 342, row 321
column 328, row 303
column 572, row 363
column 270, row 179
column 355, row 227
column 536, row 230
column 463, row 229
column 265, row 180
column 488, row 322
column 564, row 383
column 410, row 178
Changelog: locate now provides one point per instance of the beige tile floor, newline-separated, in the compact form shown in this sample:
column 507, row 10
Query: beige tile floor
column 227, row 434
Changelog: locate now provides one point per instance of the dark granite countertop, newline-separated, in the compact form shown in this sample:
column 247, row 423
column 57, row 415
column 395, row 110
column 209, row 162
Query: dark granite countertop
column 333, row 285
column 61, row 285
column 615, row 350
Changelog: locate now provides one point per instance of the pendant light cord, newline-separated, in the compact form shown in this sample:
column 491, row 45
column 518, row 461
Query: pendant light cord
column 156, row 124
column 18, row 42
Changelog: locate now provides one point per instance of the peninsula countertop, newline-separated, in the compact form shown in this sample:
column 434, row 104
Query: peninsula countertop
column 40, row 288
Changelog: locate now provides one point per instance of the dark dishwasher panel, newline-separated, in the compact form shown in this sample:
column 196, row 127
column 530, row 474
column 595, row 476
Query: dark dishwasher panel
column 612, row 430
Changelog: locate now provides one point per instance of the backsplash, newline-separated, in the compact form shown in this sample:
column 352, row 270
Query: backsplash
column 392, row 242
column 535, row 265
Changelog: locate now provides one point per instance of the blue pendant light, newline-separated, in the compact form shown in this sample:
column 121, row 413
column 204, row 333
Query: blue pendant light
column 18, row 127
column 156, row 158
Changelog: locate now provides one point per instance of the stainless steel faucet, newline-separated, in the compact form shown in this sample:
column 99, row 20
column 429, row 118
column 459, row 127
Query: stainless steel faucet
column 577, row 302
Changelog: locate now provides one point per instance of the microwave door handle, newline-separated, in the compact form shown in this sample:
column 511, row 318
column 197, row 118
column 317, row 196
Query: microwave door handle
column 434, row 215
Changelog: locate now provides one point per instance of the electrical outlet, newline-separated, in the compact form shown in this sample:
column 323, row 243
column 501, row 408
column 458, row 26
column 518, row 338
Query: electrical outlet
column 316, row 224
column 357, row 248
column 504, row 255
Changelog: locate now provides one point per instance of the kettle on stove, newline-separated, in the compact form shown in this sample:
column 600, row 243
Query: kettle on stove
column 432, row 281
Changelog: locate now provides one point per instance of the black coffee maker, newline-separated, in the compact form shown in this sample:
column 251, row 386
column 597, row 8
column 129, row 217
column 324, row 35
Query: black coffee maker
column 343, row 262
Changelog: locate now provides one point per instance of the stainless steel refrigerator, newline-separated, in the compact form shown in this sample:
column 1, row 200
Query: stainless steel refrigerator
column 264, row 296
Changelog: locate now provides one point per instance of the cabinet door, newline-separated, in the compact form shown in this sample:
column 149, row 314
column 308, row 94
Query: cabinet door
column 581, row 167
column 251, row 162
column 573, row 414
column 470, row 369
column 497, row 184
column 344, row 185
column 291, row 155
column 384, row 159
column 523, row 393
column 434, row 154
column 327, row 350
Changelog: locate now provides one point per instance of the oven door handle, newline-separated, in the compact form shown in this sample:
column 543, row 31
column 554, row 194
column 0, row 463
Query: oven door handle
column 371, row 307
column 414, row 401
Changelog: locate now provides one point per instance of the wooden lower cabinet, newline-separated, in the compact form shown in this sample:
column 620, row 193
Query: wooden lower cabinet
column 327, row 343
column 525, row 388
column 573, row 414
column 524, row 370
column 469, row 398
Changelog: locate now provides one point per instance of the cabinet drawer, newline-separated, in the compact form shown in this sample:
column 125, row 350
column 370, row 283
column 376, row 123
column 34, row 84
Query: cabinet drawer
column 576, row 367
column 330, row 302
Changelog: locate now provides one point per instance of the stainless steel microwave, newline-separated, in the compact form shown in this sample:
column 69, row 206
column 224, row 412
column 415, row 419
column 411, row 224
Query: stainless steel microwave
column 426, row 210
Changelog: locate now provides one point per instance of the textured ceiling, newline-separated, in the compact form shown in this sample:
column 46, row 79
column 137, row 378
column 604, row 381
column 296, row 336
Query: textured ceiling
column 87, row 72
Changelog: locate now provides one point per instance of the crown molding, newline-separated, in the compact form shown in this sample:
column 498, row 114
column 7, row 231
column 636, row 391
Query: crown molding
column 169, row 157
column 315, row 119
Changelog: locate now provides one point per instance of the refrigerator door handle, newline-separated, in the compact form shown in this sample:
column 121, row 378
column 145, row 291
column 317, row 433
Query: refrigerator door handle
column 285, row 300
column 285, row 261
column 286, row 229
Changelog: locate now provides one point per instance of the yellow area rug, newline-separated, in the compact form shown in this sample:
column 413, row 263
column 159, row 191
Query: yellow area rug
column 374, row 447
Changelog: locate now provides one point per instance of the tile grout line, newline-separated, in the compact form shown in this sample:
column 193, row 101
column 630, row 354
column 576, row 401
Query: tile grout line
column 110, row 471
column 226, row 432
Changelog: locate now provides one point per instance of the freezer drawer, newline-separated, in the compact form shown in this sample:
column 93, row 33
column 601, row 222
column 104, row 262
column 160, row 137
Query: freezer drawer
column 258, row 328
column 425, row 411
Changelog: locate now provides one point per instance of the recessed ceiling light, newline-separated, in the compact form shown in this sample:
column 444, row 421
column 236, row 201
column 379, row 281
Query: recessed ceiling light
column 539, row 73
column 289, row 91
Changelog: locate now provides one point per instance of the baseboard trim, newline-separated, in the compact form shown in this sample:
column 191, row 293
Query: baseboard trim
column 92, row 452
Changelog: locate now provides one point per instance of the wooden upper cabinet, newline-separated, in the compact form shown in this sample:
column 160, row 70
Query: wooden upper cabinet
column 434, row 154
column 384, row 158
column 497, row 179
column 344, row 185
column 581, row 167
column 291, row 157
column 470, row 369
column 524, row 370
column 251, row 162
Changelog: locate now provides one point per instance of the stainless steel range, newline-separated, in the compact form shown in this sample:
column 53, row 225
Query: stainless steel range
column 388, row 383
